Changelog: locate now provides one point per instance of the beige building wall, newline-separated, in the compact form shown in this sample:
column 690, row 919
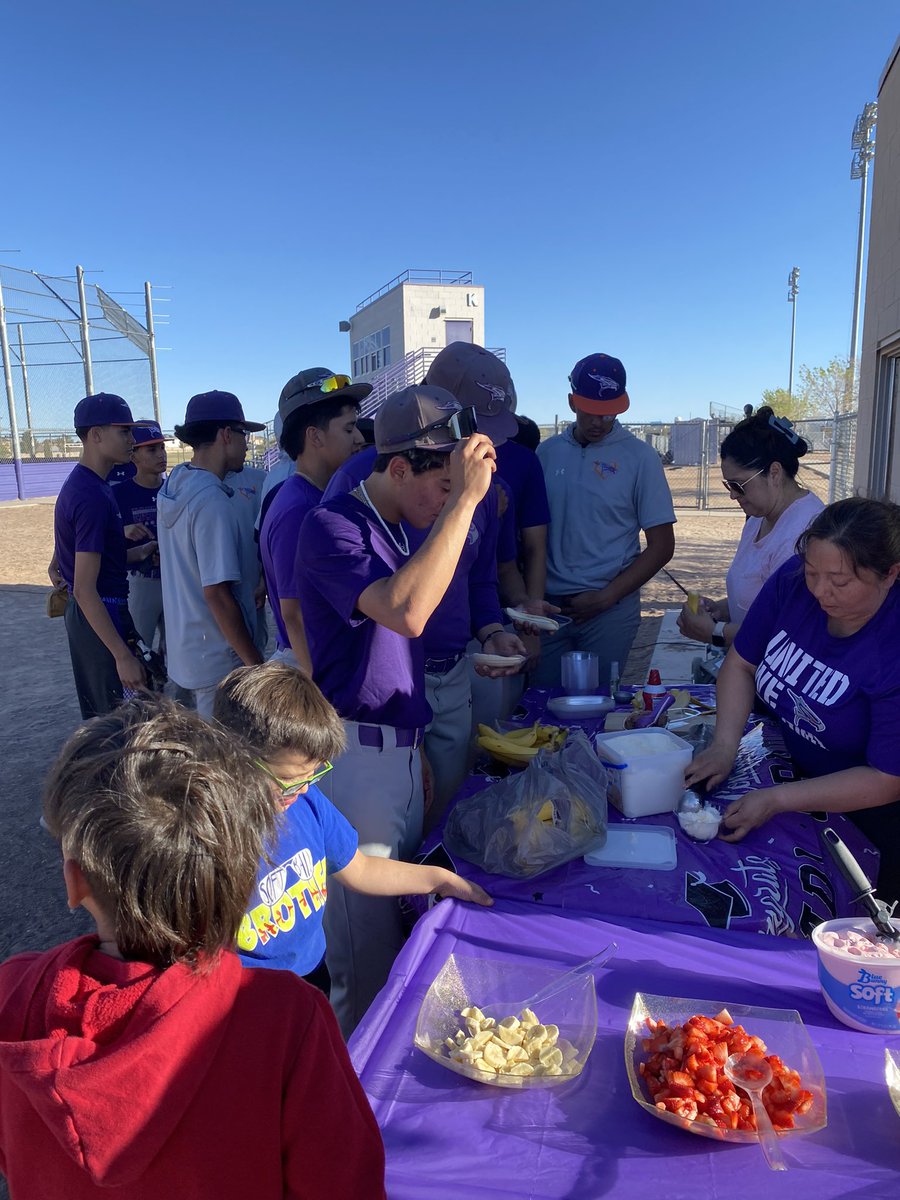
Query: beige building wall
column 416, row 316
column 877, row 469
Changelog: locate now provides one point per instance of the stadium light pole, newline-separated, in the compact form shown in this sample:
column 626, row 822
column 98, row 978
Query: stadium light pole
column 793, row 289
column 862, row 142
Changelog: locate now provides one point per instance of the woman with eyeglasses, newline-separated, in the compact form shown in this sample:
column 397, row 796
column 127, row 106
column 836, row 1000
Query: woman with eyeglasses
column 821, row 646
column 760, row 460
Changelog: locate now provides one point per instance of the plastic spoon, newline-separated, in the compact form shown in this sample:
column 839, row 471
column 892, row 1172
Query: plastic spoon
column 551, row 989
column 751, row 1073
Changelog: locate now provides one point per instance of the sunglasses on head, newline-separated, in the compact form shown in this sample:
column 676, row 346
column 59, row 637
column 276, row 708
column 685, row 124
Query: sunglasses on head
column 295, row 786
column 739, row 488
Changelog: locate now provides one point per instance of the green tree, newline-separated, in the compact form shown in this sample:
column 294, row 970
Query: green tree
column 829, row 391
column 820, row 392
column 784, row 405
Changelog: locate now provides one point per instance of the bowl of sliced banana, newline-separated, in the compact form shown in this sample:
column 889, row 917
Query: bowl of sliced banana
column 471, row 1022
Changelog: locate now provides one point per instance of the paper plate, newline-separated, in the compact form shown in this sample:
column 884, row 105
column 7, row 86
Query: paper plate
column 550, row 624
column 498, row 660
column 576, row 708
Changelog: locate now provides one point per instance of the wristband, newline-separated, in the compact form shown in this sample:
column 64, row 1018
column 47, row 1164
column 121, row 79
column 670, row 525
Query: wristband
column 718, row 634
column 488, row 635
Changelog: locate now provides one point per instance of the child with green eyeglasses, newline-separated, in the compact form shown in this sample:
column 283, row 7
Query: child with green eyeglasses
column 293, row 733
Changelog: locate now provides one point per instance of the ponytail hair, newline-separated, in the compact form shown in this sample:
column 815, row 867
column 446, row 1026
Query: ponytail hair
column 763, row 439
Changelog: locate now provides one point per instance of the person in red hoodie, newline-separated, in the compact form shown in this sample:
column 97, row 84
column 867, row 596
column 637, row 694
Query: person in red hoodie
column 143, row 1061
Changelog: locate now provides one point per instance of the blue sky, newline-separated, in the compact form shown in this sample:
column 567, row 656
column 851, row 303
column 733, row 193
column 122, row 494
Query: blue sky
column 633, row 178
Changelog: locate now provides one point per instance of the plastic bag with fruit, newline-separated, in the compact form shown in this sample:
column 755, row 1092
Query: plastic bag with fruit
column 553, row 811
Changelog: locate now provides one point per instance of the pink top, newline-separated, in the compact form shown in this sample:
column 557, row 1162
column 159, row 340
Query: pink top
column 756, row 559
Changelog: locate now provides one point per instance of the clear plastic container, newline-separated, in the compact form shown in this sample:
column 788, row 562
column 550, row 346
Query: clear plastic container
column 646, row 769
column 499, row 984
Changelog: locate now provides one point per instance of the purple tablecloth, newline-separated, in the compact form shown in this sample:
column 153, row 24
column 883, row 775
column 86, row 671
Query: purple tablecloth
column 778, row 880
column 449, row 1137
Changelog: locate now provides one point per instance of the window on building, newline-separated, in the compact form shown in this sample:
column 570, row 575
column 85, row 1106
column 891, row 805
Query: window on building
column 372, row 352
column 884, row 421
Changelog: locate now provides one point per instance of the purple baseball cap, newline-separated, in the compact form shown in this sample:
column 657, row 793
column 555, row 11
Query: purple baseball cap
column 479, row 380
column 148, row 434
column 218, row 406
column 598, row 385
column 416, row 418
column 103, row 408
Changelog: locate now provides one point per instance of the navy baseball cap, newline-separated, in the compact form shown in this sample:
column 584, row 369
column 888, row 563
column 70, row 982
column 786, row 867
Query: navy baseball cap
column 148, row 434
column 479, row 380
column 218, row 406
column 103, row 408
column 416, row 418
column 598, row 385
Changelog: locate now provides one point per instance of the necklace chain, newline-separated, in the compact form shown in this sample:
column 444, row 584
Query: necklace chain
column 400, row 548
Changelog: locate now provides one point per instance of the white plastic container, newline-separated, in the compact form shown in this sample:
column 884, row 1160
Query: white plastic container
column 646, row 769
column 862, row 992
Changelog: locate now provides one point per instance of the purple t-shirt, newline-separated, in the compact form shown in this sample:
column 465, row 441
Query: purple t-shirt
column 351, row 473
column 279, row 545
column 470, row 602
column 520, row 468
column 837, row 698
column 137, row 504
column 507, row 534
column 87, row 519
column 368, row 672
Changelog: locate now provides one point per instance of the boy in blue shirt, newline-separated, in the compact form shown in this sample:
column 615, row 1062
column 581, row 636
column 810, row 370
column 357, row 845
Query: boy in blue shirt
column 294, row 733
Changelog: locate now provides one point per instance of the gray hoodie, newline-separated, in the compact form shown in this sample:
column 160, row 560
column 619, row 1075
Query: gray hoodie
column 201, row 543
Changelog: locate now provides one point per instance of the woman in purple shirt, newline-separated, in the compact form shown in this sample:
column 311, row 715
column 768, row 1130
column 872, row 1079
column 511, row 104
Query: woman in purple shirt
column 821, row 646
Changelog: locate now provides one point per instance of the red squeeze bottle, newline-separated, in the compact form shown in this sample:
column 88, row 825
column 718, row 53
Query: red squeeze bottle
column 653, row 689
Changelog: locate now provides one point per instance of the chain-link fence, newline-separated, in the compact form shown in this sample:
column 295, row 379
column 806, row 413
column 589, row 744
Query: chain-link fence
column 690, row 454
column 61, row 339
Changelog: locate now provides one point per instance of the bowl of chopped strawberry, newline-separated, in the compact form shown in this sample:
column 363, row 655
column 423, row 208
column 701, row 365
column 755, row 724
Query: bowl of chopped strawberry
column 675, row 1052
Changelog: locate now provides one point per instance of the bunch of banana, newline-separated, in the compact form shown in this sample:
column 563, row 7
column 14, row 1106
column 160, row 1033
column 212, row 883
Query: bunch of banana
column 519, row 746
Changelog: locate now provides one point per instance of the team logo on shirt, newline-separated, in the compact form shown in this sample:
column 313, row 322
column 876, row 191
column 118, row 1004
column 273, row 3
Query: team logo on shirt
column 249, row 493
column 282, row 901
column 802, row 712
column 605, row 469
column 472, row 535
column 788, row 669
column 604, row 383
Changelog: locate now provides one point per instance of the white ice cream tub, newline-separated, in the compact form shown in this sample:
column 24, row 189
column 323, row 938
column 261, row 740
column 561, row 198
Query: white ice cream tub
column 861, row 991
column 646, row 769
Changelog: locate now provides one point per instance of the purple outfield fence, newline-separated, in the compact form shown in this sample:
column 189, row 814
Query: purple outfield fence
column 38, row 478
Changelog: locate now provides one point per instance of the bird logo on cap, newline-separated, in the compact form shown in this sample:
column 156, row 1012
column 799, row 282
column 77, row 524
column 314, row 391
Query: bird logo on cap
column 604, row 382
column 498, row 395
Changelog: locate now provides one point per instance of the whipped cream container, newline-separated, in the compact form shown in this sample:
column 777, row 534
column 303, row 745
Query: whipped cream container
column 859, row 974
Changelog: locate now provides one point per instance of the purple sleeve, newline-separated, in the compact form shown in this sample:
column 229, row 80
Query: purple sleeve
column 484, row 601
column 533, row 507
column 90, row 521
column 883, row 746
column 288, row 564
column 507, row 537
column 757, row 626
column 340, row 560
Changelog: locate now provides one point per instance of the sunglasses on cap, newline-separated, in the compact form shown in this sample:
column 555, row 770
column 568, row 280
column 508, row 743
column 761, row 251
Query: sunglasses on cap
column 740, row 488
column 296, row 785
column 333, row 383
column 462, row 424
